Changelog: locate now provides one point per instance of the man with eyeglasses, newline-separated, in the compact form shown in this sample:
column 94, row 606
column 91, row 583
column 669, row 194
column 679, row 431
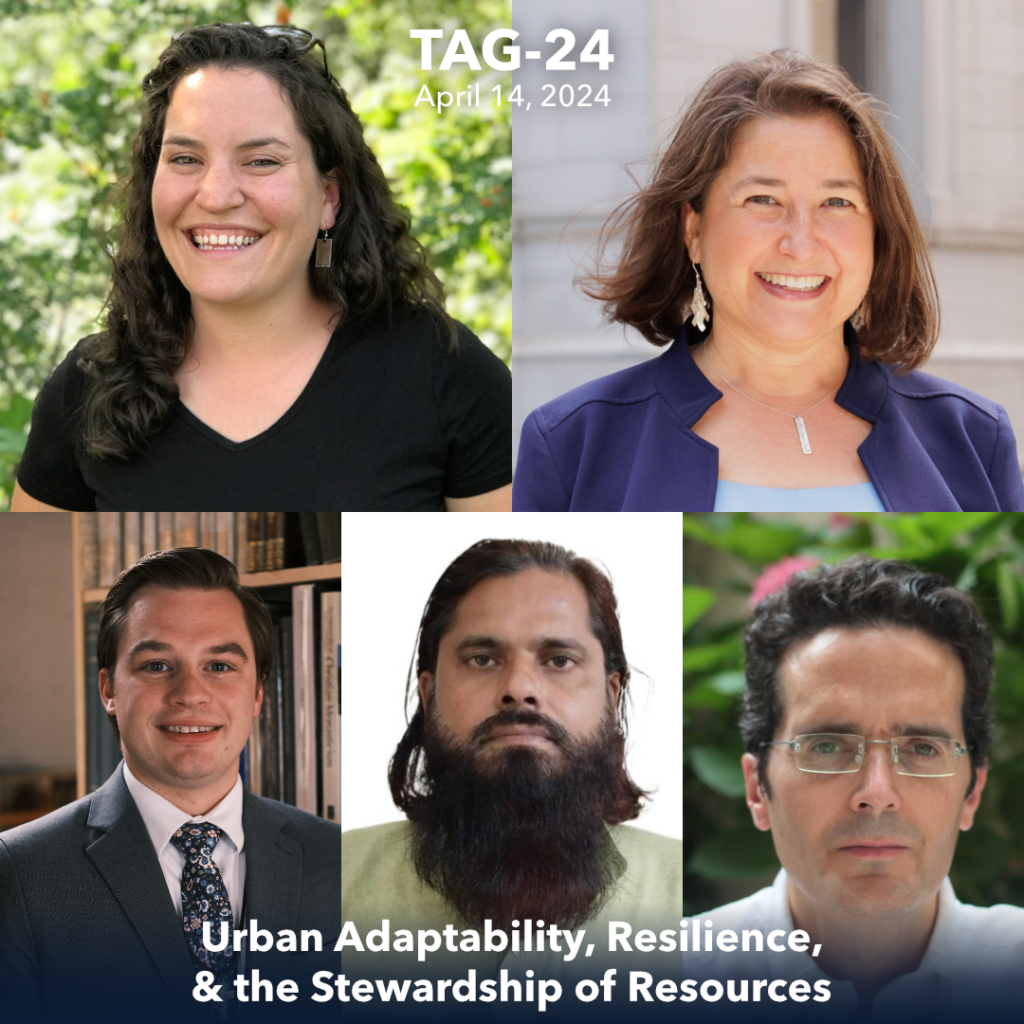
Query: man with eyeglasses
column 867, row 720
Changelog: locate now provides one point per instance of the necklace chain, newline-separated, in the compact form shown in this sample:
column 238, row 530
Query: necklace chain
column 800, row 415
column 801, row 427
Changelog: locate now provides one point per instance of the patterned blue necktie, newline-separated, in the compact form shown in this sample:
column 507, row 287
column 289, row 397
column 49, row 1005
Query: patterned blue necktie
column 204, row 898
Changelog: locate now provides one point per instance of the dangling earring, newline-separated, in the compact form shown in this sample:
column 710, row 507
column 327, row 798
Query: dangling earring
column 324, row 247
column 860, row 317
column 698, row 305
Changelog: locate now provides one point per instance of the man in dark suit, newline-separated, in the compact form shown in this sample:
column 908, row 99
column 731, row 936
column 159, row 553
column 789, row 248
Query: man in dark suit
column 108, row 896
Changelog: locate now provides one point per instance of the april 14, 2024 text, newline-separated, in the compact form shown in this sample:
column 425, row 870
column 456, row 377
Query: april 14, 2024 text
column 565, row 95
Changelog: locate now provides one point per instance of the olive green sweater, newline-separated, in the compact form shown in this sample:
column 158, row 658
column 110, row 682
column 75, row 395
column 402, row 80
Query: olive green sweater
column 378, row 882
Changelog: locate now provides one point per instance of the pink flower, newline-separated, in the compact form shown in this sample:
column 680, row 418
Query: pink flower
column 838, row 521
column 777, row 575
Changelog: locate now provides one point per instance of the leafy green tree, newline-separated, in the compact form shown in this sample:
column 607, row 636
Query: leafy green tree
column 725, row 856
column 70, row 104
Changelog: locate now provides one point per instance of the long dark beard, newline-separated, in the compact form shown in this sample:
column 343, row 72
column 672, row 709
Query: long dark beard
column 518, row 833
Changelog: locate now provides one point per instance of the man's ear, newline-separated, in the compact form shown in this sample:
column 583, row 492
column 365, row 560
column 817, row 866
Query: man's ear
column 757, row 799
column 425, row 686
column 615, row 685
column 107, row 691
column 259, row 699
column 691, row 232
column 970, row 806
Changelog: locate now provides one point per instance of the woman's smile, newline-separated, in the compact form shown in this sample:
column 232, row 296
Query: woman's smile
column 213, row 246
column 792, row 287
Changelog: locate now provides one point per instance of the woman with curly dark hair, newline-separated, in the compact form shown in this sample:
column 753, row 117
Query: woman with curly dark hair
column 274, row 335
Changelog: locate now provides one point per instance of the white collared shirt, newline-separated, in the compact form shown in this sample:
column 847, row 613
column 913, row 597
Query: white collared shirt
column 163, row 819
column 968, row 945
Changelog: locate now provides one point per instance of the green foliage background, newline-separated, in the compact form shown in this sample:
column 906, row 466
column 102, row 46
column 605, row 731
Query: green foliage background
column 70, row 103
column 725, row 856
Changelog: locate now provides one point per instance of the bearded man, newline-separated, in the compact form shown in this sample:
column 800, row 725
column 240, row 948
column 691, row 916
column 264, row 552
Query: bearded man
column 512, row 773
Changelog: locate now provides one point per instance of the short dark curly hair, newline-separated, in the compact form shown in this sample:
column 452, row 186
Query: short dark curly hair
column 862, row 593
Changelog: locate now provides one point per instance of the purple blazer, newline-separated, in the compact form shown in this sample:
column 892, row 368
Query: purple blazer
column 623, row 443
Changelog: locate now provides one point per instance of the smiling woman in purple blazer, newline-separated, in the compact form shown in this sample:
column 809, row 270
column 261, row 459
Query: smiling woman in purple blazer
column 778, row 250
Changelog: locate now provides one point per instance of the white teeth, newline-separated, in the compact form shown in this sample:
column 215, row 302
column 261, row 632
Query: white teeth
column 799, row 284
column 190, row 728
column 227, row 242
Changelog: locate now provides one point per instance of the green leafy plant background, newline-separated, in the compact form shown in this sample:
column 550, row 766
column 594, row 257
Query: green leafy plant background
column 725, row 856
column 71, row 102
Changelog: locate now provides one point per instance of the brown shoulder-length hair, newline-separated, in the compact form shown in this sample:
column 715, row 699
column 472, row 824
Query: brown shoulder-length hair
column 377, row 265
column 650, row 283
column 484, row 560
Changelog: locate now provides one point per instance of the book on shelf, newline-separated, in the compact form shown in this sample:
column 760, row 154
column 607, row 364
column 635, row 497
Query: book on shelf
column 109, row 532
column 131, row 527
column 89, row 548
column 148, row 532
column 330, row 729
column 295, row 751
column 103, row 753
column 254, row 541
column 224, row 534
column 307, row 718
column 270, row 770
column 286, row 721
column 274, row 534
column 165, row 531
column 310, row 533
column 271, row 749
column 329, row 529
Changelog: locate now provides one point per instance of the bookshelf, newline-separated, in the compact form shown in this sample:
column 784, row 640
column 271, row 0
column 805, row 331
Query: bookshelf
column 33, row 794
column 275, row 584
column 274, row 578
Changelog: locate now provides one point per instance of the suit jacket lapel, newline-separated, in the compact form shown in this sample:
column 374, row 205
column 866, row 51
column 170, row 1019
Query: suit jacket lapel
column 273, row 874
column 674, row 470
column 124, row 856
column 919, row 485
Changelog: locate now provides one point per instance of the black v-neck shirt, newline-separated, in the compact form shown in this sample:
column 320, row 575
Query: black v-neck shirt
column 391, row 420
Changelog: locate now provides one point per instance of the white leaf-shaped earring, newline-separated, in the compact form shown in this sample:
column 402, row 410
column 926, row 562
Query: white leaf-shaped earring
column 859, row 318
column 698, row 304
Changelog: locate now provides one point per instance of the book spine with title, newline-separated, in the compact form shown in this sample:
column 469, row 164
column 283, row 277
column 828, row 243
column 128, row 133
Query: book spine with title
column 330, row 682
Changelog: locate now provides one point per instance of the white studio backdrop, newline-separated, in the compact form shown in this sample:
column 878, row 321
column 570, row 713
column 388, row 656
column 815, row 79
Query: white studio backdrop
column 389, row 565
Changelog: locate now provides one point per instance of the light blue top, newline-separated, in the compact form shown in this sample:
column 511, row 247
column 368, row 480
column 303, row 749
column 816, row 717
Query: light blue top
column 732, row 497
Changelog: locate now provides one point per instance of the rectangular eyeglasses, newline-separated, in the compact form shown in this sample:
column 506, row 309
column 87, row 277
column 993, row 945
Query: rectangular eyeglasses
column 829, row 753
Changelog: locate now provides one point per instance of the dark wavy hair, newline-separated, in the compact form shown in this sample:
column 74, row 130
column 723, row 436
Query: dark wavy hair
column 484, row 560
column 377, row 264
column 649, row 284
column 863, row 593
column 182, row 569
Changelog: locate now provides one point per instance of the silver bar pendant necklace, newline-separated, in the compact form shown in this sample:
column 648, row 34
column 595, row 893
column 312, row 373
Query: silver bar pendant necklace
column 801, row 427
column 805, row 444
